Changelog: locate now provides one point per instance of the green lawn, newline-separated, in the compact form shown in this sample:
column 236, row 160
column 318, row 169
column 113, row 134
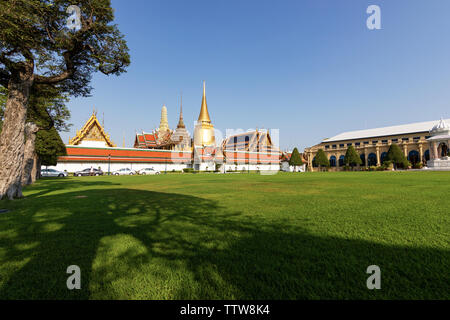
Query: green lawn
column 234, row 236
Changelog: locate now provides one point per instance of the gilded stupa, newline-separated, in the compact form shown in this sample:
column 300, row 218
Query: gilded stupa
column 204, row 130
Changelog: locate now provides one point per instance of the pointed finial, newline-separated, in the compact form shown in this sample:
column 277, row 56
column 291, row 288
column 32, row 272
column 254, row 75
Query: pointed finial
column 204, row 115
column 180, row 121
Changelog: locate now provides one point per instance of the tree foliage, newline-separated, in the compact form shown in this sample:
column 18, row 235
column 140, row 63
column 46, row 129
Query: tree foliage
column 352, row 157
column 321, row 159
column 49, row 146
column 34, row 34
column 296, row 158
column 395, row 154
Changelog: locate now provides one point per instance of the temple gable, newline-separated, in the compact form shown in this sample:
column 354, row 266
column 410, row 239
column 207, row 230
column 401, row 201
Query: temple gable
column 92, row 134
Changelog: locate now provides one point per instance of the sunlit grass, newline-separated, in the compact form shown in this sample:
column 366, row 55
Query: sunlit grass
column 211, row 236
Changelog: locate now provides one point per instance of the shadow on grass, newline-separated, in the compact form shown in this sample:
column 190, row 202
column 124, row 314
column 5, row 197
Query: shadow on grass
column 133, row 244
column 48, row 185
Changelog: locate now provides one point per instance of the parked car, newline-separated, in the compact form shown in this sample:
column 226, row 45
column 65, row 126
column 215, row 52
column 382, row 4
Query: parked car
column 124, row 171
column 149, row 171
column 53, row 173
column 87, row 172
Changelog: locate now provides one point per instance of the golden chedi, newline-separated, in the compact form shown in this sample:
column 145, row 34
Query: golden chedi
column 204, row 130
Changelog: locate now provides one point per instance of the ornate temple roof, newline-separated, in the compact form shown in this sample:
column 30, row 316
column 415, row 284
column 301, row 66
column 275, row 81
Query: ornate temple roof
column 253, row 141
column 92, row 131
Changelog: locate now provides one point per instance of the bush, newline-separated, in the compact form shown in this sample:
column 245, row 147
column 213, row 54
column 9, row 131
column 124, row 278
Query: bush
column 188, row 170
column 418, row 165
column 395, row 154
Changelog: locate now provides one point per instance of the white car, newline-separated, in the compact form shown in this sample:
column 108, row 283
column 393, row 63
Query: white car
column 149, row 171
column 53, row 173
column 124, row 171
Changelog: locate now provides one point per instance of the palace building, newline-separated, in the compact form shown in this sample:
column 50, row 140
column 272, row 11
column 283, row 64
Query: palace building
column 165, row 149
column 424, row 142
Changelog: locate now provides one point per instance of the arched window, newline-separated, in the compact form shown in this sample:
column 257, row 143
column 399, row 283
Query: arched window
column 383, row 157
column 363, row 159
column 332, row 161
column 372, row 159
column 341, row 161
column 413, row 157
column 427, row 155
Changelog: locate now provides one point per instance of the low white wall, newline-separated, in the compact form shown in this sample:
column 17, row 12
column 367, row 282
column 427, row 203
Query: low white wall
column 78, row 166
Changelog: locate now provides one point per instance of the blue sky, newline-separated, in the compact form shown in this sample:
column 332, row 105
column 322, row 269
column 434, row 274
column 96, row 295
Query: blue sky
column 311, row 69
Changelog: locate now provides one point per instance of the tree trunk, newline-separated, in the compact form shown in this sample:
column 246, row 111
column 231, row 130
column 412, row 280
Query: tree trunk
column 12, row 137
column 36, row 172
column 29, row 154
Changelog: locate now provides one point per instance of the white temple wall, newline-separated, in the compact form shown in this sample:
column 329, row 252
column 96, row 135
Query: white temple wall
column 78, row 166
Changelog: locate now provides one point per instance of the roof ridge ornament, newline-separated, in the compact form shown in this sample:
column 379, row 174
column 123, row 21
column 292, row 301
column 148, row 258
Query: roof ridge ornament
column 441, row 126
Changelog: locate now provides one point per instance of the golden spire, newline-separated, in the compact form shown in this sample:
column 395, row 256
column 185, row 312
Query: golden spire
column 181, row 122
column 204, row 115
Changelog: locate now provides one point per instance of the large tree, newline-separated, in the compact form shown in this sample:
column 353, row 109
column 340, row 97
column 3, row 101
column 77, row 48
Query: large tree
column 47, row 114
column 352, row 157
column 42, row 44
column 296, row 159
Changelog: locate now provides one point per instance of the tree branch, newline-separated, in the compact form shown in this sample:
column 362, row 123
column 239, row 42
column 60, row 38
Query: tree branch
column 8, row 63
column 70, row 70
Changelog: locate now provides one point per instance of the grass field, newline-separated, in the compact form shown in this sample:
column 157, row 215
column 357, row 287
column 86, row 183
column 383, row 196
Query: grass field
column 235, row 236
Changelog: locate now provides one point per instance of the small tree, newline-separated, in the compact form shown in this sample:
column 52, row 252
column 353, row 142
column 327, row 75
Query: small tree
column 397, row 157
column 352, row 157
column 296, row 159
column 321, row 159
